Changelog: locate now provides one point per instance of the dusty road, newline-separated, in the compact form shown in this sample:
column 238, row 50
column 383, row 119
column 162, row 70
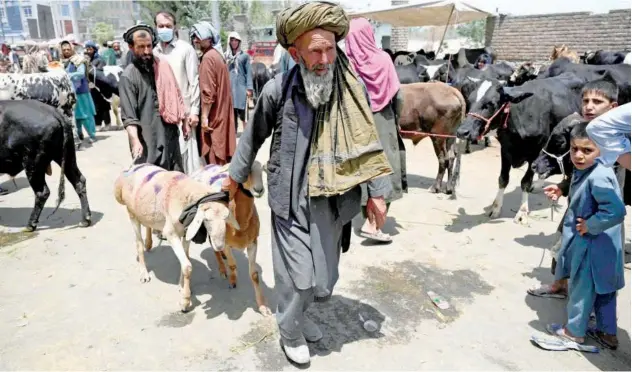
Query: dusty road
column 70, row 298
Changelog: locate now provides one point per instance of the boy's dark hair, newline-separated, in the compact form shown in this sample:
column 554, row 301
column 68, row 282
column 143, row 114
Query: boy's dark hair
column 605, row 87
column 579, row 130
column 167, row 14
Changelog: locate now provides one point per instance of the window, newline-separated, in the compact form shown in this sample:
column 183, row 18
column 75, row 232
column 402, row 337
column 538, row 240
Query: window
column 28, row 12
column 65, row 10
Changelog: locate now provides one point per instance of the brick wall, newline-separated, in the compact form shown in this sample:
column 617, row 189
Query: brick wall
column 531, row 38
column 399, row 35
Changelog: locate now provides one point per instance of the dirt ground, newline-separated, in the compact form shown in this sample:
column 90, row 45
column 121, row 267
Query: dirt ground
column 71, row 299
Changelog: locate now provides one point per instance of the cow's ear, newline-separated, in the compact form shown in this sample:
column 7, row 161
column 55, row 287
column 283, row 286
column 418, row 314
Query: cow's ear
column 476, row 80
column 515, row 96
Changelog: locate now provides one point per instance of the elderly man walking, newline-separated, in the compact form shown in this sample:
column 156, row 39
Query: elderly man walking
column 240, row 76
column 184, row 63
column 313, row 182
column 217, row 137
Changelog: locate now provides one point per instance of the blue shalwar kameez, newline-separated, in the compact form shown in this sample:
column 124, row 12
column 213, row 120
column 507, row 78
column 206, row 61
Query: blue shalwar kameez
column 593, row 262
column 84, row 108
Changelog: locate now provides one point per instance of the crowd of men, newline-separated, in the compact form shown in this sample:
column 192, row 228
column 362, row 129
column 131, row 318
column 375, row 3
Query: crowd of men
column 336, row 151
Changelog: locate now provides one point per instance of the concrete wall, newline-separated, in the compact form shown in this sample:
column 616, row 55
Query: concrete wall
column 531, row 38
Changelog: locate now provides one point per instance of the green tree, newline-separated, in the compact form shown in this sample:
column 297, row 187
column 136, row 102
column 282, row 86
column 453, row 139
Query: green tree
column 187, row 12
column 102, row 32
column 474, row 31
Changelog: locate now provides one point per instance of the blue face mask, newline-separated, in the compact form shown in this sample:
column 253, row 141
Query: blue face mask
column 165, row 34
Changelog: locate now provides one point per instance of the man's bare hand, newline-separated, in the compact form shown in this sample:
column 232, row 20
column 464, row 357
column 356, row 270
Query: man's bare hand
column 581, row 226
column 193, row 120
column 204, row 125
column 137, row 148
column 230, row 185
column 376, row 211
column 186, row 130
column 553, row 192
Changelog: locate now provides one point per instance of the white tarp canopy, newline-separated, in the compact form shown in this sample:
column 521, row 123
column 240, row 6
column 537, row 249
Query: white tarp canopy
column 429, row 13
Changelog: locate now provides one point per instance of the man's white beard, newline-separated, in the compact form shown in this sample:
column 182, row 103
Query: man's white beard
column 317, row 88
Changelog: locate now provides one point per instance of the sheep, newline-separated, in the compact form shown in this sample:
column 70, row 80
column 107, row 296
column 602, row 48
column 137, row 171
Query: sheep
column 156, row 199
column 245, row 237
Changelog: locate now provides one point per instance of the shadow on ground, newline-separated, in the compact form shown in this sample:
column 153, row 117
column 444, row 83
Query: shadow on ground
column 539, row 240
column 464, row 221
column 552, row 310
column 206, row 281
column 18, row 217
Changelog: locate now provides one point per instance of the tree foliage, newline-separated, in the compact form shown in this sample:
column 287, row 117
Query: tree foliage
column 187, row 12
column 102, row 32
column 474, row 31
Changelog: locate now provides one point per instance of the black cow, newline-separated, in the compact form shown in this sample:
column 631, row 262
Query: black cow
column 526, row 72
column 32, row 135
column 620, row 74
column 555, row 157
column 603, row 57
column 465, row 55
column 523, row 117
column 260, row 76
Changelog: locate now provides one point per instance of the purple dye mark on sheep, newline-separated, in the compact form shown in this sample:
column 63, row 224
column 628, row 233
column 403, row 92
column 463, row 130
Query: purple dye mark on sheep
column 157, row 188
column 151, row 175
column 180, row 177
column 217, row 177
column 211, row 166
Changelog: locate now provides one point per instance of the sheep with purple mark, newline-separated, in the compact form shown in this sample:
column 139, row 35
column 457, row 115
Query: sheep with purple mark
column 156, row 199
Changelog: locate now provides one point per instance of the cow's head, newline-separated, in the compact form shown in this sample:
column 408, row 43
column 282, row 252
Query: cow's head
column 527, row 71
column 554, row 158
column 488, row 110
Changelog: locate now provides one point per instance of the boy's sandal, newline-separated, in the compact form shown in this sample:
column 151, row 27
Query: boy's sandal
column 546, row 290
column 604, row 339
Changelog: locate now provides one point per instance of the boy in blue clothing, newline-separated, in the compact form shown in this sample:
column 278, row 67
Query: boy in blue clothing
column 591, row 245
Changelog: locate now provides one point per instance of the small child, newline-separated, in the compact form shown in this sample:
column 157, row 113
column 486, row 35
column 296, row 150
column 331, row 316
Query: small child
column 591, row 246
column 598, row 97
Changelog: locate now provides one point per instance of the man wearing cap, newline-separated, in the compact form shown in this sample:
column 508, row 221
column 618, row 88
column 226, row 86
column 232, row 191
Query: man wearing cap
column 313, row 180
column 217, row 137
column 238, row 64
column 184, row 63
column 152, row 107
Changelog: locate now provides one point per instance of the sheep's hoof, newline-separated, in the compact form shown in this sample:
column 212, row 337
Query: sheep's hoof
column 232, row 285
column 85, row 223
column 185, row 303
column 265, row 311
column 29, row 228
column 145, row 277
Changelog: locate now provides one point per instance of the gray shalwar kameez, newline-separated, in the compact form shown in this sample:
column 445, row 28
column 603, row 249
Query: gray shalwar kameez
column 139, row 107
column 306, row 232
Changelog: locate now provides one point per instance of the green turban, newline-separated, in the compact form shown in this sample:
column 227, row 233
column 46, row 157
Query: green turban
column 294, row 22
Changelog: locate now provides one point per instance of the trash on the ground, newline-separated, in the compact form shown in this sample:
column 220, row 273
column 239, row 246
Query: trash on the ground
column 439, row 301
column 368, row 324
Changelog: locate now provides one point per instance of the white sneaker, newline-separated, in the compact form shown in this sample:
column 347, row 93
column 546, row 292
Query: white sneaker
column 311, row 331
column 297, row 354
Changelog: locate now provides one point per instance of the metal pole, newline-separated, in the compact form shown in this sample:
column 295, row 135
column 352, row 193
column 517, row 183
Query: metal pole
column 445, row 30
column 215, row 14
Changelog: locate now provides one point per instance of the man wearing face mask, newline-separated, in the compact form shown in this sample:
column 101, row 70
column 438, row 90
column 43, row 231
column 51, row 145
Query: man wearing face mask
column 151, row 104
column 184, row 63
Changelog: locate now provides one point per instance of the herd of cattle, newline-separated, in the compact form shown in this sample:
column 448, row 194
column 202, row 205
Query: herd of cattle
column 522, row 103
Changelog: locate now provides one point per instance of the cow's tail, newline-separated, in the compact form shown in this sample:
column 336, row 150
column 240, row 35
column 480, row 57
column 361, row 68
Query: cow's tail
column 458, row 146
column 68, row 150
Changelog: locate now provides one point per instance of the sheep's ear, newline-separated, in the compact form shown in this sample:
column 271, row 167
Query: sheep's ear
column 231, row 220
column 195, row 225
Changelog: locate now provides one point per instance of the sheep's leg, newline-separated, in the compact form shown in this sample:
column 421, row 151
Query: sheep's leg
column 232, row 265
column 220, row 264
column 140, row 250
column 177, row 245
column 148, row 240
column 254, row 276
